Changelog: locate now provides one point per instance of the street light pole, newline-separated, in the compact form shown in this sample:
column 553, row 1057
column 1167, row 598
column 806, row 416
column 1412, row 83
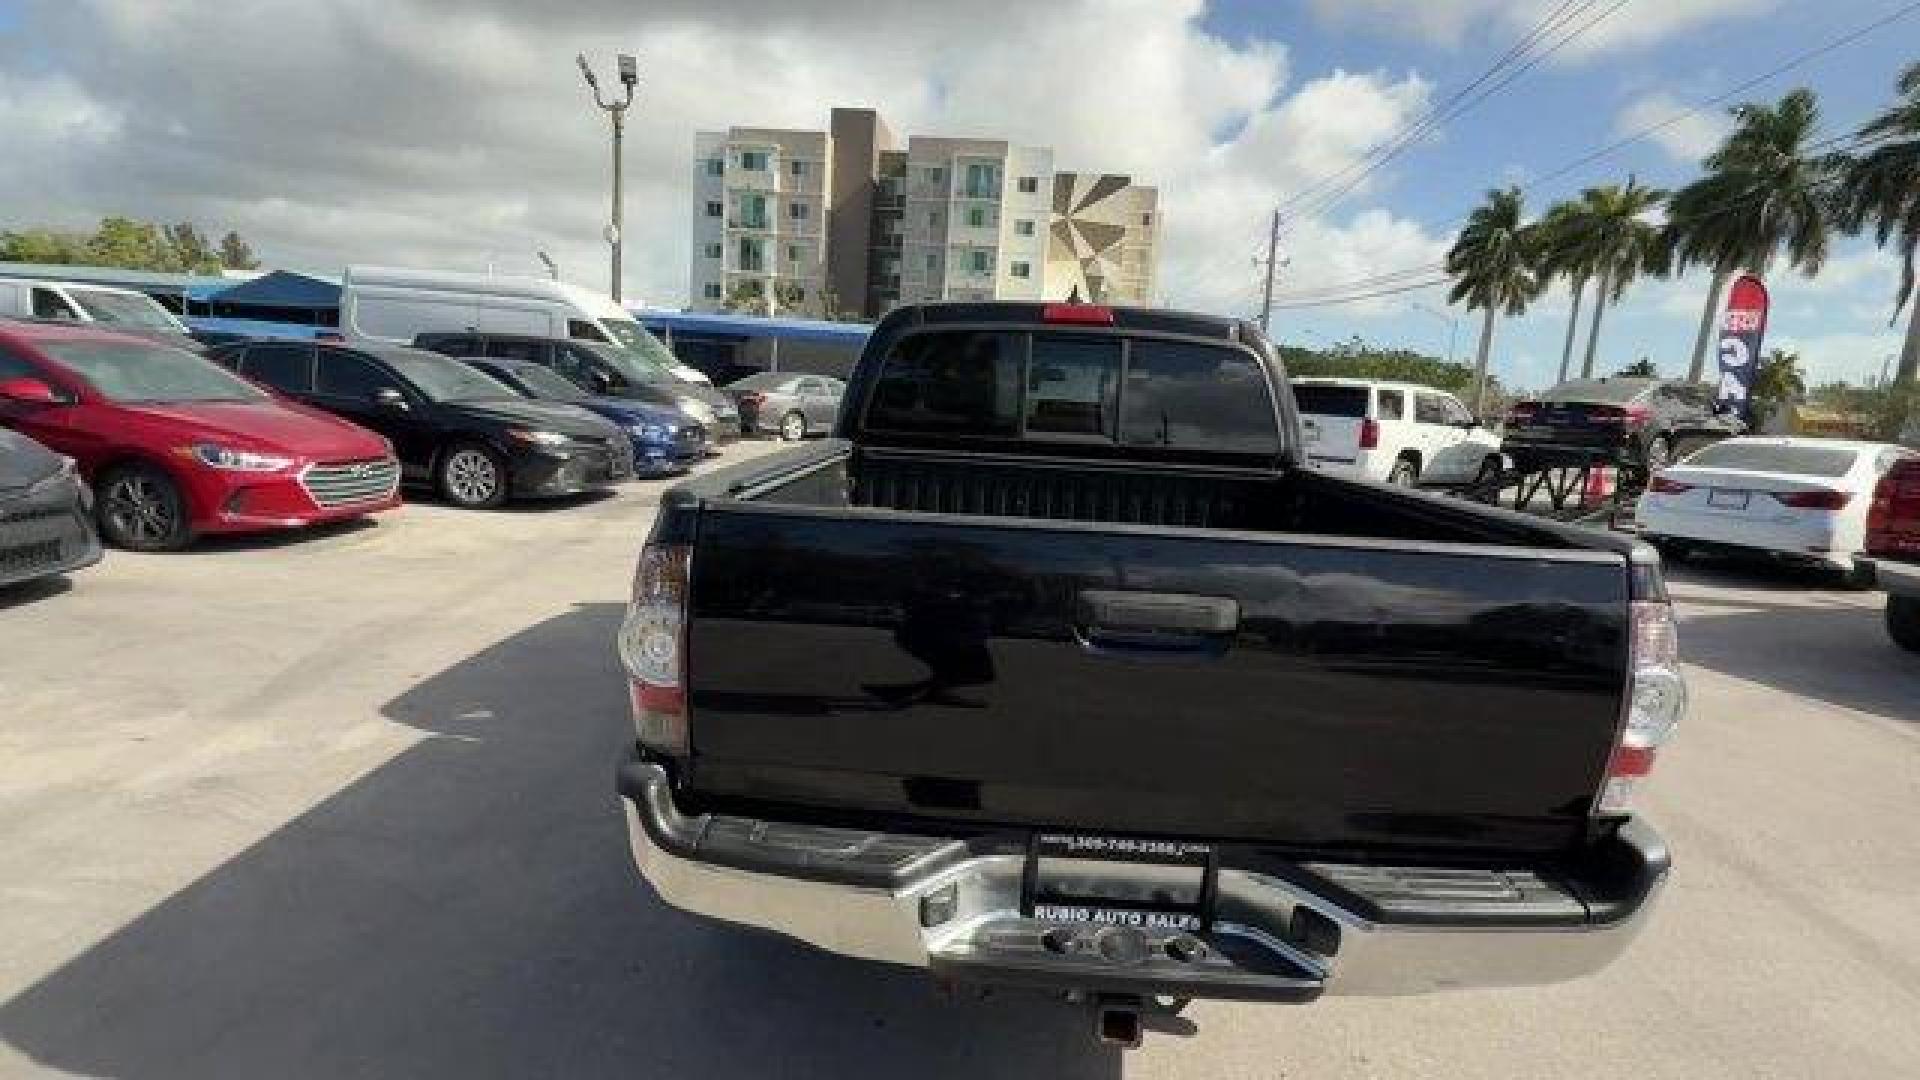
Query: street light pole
column 617, row 112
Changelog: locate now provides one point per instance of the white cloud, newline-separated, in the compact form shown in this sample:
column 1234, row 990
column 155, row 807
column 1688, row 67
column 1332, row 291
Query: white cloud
column 1851, row 355
column 1686, row 136
column 427, row 132
column 1451, row 22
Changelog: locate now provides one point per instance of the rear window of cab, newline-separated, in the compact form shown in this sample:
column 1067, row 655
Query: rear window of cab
column 1058, row 386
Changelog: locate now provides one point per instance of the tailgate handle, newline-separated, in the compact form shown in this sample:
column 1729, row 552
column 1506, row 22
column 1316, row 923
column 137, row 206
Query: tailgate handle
column 1106, row 611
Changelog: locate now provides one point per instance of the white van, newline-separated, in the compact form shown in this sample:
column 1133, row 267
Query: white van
column 395, row 305
column 1395, row 433
column 119, row 309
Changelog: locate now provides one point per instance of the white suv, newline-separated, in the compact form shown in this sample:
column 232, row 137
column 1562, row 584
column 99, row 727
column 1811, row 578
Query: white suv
column 1397, row 433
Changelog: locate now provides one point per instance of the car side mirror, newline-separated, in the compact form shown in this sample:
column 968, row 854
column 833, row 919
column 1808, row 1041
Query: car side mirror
column 29, row 392
column 388, row 398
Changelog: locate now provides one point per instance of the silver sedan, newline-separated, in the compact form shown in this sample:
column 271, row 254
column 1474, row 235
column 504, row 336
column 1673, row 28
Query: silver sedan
column 790, row 404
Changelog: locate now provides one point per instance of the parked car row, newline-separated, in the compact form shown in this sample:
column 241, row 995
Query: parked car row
column 1408, row 434
column 153, row 445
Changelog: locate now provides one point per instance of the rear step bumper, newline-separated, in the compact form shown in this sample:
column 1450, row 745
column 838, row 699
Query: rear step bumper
column 1282, row 932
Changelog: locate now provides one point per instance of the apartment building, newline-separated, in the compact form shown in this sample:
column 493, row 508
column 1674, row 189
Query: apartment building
column 760, row 199
column 938, row 219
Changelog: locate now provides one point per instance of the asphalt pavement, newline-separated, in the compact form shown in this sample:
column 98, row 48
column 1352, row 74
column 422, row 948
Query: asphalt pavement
column 340, row 804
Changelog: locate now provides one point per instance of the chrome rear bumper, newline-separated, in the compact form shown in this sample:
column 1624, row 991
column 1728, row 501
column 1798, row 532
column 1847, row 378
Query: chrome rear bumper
column 1280, row 933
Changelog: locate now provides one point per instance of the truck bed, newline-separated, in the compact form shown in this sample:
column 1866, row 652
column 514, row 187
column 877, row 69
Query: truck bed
column 1293, row 659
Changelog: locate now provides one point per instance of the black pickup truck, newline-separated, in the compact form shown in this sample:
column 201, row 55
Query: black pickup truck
column 1058, row 667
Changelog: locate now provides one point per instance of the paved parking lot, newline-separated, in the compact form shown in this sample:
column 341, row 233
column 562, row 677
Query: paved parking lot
column 341, row 804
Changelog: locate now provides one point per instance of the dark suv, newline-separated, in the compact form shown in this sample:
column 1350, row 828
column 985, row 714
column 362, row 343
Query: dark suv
column 476, row 440
column 601, row 369
column 1638, row 424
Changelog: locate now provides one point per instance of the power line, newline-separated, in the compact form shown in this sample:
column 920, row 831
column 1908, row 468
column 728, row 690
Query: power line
column 1792, row 62
column 1328, row 200
column 1431, row 117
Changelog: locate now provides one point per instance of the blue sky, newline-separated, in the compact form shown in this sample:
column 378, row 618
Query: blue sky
column 1564, row 109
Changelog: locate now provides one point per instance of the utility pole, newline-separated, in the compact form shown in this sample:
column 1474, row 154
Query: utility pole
column 617, row 111
column 1273, row 264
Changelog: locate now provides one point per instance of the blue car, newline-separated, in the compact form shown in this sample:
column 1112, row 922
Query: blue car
column 665, row 441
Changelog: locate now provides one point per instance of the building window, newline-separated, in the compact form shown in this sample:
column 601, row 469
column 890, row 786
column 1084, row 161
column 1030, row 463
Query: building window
column 1020, row 270
column 798, row 168
column 716, row 167
column 753, row 212
column 1146, row 221
column 753, row 160
column 933, row 219
column 712, row 290
column 933, row 264
column 793, row 252
column 1023, row 227
column 713, row 251
column 977, row 217
column 797, row 211
column 714, row 209
column 980, row 263
column 983, row 181
column 750, row 261
column 1029, row 185
column 799, row 295
column 936, row 175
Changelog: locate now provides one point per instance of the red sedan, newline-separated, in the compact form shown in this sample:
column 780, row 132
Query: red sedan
column 176, row 447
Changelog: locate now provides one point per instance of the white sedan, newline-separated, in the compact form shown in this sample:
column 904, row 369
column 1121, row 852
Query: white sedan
column 1801, row 500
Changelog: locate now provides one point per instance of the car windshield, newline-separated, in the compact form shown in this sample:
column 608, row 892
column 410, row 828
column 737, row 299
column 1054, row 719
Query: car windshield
column 124, row 308
column 1322, row 400
column 444, row 379
column 1598, row 391
column 547, row 385
column 1792, row 459
column 129, row 371
column 634, row 338
column 632, row 366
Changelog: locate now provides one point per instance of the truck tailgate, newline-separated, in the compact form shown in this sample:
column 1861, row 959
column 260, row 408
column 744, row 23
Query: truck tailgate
column 1309, row 693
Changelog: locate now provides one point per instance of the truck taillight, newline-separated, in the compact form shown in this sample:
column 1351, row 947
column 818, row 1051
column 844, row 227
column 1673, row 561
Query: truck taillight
column 1369, row 434
column 1656, row 699
column 653, row 647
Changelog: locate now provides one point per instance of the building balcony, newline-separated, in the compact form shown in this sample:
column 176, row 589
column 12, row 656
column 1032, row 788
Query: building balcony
column 753, row 179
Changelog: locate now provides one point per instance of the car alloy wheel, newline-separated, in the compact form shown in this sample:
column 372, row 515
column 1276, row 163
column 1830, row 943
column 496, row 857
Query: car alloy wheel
column 471, row 477
column 793, row 427
column 141, row 510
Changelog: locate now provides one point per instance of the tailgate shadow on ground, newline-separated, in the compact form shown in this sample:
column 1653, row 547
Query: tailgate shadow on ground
column 469, row 909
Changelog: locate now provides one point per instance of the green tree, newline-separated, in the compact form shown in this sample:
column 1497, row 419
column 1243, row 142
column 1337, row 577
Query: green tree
column 1778, row 381
column 745, row 298
column 1763, row 192
column 236, row 254
column 128, row 244
column 1643, row 368
column 1491, row 263
column 1882, row 189
column 190, row 248
column 42, row 246
column 1611, row 225
column 1564, row 251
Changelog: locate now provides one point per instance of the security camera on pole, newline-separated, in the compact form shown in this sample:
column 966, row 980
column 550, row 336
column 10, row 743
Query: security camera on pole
column 617, row 110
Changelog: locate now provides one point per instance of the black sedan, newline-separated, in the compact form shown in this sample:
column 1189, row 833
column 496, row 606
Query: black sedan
column 665, row 441
column 46, row 512
column 1636, row 424
column 475, row 440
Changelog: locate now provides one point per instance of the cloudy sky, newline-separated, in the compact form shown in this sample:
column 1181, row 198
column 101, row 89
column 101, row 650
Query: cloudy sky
column 455, row 133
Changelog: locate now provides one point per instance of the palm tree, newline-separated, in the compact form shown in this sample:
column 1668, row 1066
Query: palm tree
column 1882, row 188
column 1491, row 263
column 1563, row 253
column 1762, row 191
column 1612, row 227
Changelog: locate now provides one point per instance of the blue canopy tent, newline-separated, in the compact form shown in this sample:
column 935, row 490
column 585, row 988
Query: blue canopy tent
column 282, row 296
